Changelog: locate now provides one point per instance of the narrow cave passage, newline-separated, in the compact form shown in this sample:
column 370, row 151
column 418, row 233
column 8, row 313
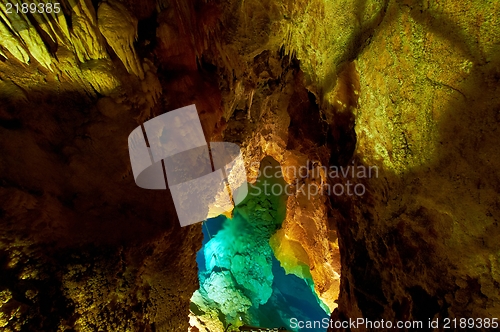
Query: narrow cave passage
column 241, row 281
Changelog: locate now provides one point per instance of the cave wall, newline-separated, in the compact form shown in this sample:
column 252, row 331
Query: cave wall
column 408, row 86
column 82, row 247
column 423, row 242
column 74, row 85
column 412, row 88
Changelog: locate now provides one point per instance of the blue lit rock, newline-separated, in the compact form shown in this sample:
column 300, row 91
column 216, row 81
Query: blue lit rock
column 240, row 277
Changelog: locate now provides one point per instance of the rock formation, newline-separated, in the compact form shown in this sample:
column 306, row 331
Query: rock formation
column 408, row 87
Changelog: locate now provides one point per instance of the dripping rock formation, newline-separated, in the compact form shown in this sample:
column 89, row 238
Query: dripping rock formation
column 409, row 88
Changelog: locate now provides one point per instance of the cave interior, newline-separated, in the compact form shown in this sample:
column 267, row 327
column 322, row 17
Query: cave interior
column 368, row 134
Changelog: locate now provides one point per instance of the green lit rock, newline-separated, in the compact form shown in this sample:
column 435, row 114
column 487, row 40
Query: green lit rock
column 222, row 289
column 241, row 281
column 241, row 249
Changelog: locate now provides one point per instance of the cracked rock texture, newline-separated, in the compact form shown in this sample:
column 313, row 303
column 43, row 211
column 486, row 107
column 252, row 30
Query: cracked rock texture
column 410, row 86
column 423, row 242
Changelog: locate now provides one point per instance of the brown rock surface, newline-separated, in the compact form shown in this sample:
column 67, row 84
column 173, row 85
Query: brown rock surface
column 408, row 86
column 423, row 242
column 82, row 247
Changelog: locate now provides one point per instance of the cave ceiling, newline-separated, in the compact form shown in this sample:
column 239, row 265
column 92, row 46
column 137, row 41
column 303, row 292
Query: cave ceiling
column 408, row 89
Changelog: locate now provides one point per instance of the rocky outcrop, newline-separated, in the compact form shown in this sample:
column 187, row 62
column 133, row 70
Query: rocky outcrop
column 421, row 244
column 407, row 86
column 82, row 247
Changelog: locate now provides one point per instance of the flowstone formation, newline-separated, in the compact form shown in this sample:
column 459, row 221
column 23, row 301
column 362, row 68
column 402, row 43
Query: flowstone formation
column 241, row 282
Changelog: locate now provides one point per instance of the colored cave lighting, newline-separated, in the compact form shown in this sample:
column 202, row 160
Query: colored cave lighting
column 241, row 281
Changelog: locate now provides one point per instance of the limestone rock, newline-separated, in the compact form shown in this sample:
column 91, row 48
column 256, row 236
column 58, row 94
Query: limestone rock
column 408, row 86
column 119, row 28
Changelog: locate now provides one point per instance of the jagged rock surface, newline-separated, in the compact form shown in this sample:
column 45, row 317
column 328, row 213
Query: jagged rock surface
column 409, row 86
column 423, row 242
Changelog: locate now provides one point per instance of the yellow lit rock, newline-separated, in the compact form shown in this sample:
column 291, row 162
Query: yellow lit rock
column 119, row 28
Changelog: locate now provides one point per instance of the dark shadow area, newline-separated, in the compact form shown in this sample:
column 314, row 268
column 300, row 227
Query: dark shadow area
column 62, row 153
column 74, row 225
